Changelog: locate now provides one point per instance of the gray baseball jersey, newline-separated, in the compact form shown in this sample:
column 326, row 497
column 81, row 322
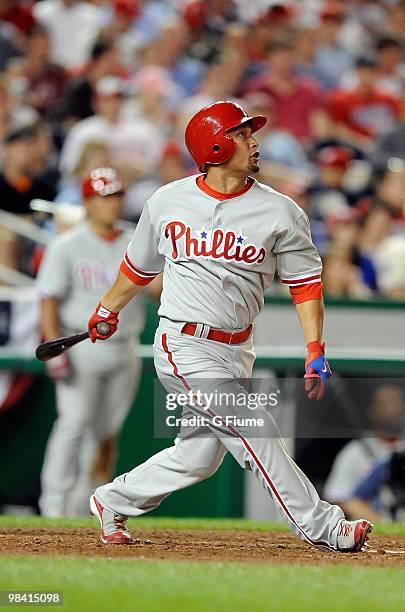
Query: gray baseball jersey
column 219, row 256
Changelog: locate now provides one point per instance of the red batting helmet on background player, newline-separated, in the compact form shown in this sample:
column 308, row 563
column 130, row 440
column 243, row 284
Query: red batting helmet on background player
column 102, row 182
column 206, row 133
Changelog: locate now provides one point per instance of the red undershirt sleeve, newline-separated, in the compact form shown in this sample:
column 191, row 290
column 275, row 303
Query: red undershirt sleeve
column 305, row 293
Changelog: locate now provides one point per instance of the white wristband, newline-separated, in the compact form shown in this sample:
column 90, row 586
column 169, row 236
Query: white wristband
column 103, row 312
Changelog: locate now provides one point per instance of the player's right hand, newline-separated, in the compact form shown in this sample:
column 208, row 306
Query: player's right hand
column 102, row 315
column 58, row 368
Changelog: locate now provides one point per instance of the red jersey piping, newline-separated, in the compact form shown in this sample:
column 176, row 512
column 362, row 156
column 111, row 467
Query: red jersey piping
column 217, row 194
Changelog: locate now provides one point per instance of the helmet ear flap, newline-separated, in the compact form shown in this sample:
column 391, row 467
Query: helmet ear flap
column 221, row 150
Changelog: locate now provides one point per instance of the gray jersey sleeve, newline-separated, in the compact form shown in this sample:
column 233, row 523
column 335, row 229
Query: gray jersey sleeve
column 53, row 279
column 142, row 260
column 298, row 261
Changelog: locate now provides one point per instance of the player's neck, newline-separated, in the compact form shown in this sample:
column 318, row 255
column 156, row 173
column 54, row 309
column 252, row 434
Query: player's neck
column 223, row 182
column 107, row 232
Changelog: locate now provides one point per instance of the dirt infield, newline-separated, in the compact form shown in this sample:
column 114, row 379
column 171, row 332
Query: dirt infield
column 243, row 546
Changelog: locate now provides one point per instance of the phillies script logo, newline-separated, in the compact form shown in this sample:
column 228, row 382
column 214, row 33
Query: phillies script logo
column 216, row 244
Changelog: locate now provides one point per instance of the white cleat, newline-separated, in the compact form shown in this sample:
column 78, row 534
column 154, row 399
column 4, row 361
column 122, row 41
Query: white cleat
column 113, row 526
column 353, row 535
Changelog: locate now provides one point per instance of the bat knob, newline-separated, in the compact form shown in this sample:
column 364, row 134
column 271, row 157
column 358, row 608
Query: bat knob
column 103, row 329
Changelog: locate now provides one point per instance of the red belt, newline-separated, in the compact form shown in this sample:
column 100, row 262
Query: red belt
column 218, row 335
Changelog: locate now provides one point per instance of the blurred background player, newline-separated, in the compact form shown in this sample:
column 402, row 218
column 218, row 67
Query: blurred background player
column 94, row 392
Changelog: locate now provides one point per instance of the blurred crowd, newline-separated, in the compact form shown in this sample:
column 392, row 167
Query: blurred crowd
column 85, row 84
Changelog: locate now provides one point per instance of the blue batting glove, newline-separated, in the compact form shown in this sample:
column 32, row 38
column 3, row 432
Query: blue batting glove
column 317, row 371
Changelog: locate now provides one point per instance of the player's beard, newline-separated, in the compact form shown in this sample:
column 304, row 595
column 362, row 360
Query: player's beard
column 253, row 165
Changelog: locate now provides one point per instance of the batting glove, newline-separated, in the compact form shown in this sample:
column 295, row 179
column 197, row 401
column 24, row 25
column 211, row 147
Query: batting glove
column 58, row 368
column 317, row 371
column 102, row 315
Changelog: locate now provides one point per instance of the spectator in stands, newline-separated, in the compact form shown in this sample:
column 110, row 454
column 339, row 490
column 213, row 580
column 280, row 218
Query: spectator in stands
column 46, row 80
column 135, row 145
column 10, row 253
column 331, row 59
column 266, row 24
column 220, row 82
column 95, row 154
column 73, row 26
column 8, row 44
column 390, row 189
column 376, row 227
column 298, row 104
column 18, row 185
column 364, row 22
column 382, row 491
column 4, row 113
column 305, row 49
column 276, row 146
column 328, row 194
column 395, row 24
column 390, row 267
column 172, row 167
column 391, row 145
column 99, row 127
column 121, row 29
column 390, row 66
column 259, row 36
column 235, row 39
column 354, row 236
column 390, row 70
column 15, row 110
column 19, row 15
column 171, row 48
column 341, row 276
column 45, row 160
column 155, row 98
column 363, row 113
column 355, row 460
column 150, row 19
column 81, row 90
column 208, row 22
column 343, row 226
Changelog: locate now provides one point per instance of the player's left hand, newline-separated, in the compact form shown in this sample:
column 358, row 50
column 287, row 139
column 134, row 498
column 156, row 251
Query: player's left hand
column 317, row 370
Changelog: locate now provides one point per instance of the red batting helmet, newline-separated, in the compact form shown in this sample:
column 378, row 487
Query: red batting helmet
column 206, row 133
column 102, row 182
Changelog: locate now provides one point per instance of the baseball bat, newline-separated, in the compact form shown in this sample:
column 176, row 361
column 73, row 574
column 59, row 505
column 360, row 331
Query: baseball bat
column 53, row 348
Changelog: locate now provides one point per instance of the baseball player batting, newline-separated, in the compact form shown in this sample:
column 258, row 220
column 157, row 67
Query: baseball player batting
column 220, row 237
column 94, row 388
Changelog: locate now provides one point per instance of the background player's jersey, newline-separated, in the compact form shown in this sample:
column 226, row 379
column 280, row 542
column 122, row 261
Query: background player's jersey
column 219, row 255
column 78, row 268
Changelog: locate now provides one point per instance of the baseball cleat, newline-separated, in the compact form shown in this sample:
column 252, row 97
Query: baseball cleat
column 353, row 535
column 113, row 526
